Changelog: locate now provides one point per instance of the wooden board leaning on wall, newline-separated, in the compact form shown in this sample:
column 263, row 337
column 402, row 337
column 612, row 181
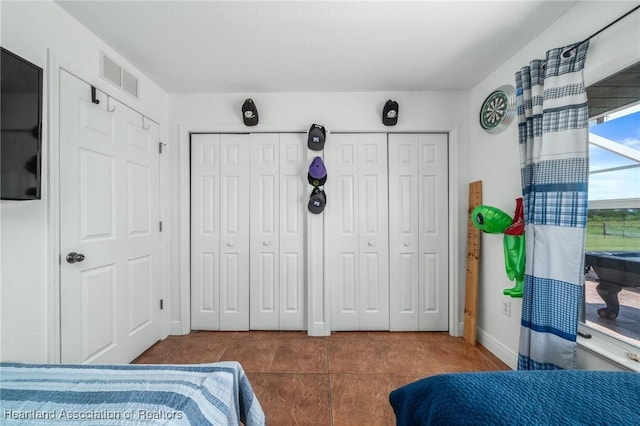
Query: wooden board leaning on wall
column 473, row 264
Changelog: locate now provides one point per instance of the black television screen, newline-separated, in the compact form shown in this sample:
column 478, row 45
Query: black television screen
column 21, row 126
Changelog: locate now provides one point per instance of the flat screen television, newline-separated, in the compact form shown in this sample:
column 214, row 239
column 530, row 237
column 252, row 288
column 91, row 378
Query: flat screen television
column 21, row 128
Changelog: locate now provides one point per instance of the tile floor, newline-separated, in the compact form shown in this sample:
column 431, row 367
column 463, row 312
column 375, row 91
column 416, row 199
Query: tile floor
column 342, row 379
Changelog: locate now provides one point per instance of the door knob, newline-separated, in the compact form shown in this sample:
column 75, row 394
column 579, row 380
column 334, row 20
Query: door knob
column 406, row 244
column 229, row 244
column 265, row 243
column 370, row 243
column 74, row 257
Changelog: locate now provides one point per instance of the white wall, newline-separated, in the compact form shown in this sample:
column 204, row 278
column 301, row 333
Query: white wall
column 494, row 159
column 29, row 29
column 358, row 112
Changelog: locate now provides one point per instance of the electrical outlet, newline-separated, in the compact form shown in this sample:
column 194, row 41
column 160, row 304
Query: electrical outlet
column 506, row 307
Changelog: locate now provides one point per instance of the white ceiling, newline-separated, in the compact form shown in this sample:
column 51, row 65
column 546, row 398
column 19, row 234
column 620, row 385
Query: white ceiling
column 308, row 46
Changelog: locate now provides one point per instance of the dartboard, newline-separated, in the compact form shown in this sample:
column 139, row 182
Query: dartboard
column 498, row 109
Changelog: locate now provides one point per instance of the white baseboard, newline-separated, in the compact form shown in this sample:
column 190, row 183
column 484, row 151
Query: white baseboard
column 494, row 346
column 175, row 328
column 459, row 331
column 319, row 329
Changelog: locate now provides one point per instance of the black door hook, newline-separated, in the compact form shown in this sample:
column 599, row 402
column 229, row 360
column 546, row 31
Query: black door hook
column 94, row 99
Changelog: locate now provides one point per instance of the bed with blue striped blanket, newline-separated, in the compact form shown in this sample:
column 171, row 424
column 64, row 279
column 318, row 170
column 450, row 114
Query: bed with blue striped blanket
column 551, row 397
column 202, row 394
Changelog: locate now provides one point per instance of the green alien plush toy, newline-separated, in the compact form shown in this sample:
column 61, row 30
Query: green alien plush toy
column 494, row 221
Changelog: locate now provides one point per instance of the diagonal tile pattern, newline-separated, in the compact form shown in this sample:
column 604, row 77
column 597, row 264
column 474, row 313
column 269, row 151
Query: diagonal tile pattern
column 342, row 379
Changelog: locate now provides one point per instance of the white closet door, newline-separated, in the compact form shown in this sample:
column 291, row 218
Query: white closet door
column 404, row 232
column 293, row 206
column 205, row 232
column 220, row 232
column 418, row 217
column 342, row 215
column 278, row 181
column 265, row 231
column 234, row 232
column 357, row 233
column 374, row 232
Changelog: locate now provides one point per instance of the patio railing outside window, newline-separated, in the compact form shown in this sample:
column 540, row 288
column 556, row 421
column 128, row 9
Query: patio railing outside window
column 612, row 252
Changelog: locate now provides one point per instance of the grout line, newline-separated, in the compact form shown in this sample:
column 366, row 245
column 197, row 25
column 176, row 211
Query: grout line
column 330, row 398
column 275, row 351
column 326, row 358
column 226, row 348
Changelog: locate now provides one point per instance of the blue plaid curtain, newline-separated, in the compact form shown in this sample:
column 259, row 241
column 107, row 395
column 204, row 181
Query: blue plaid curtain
column 553, row 137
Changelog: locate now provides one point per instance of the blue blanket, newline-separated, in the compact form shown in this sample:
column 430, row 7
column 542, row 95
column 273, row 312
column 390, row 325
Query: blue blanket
column 205, row 394
column 558, row 397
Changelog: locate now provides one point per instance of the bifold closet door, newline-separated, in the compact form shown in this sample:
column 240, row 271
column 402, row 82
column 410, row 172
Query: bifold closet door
column 357, row 231
column 278, row 201
column 220, row 231
column 418, row 232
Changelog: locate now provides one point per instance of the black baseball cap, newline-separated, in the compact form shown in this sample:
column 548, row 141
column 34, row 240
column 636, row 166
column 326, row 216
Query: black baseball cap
column 390, row 113
column 316, row 137
column 317, row 201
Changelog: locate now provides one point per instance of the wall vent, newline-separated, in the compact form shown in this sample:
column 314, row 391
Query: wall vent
column 117, row 75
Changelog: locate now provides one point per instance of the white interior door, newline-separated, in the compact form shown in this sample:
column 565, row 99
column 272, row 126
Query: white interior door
column 278, row 183
column 220, row 231
column 109, row 218
column 419, row 234
column 357, row 231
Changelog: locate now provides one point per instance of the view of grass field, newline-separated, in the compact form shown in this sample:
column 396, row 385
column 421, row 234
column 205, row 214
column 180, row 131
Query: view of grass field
column 613, row 230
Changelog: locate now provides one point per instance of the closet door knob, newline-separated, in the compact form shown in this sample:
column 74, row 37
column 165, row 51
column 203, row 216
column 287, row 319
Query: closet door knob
column 370, row 243
column 406, row 244
column 265, row 243
column 230, row 244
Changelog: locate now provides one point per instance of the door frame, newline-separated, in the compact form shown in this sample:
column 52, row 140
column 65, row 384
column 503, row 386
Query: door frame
column 318, row 311
column 51, row 192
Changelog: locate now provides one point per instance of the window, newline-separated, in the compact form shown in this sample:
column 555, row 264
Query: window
column 612, row 252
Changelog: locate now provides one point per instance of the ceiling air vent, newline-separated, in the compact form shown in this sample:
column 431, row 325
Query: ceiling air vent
column 117, row 75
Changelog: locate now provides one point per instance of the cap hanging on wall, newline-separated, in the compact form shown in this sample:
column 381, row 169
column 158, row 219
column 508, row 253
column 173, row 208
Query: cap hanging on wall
column 390, row 113
column 316, row 137
column 317, row 201
column 317, row 172
column 249, row 113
